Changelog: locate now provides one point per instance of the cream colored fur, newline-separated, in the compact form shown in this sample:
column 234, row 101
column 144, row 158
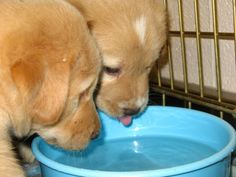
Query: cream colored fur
column 49, row 67
column 130, row 34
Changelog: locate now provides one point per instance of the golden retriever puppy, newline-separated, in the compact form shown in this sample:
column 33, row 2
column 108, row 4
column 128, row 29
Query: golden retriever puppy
column 130, row 34
column 49, row 67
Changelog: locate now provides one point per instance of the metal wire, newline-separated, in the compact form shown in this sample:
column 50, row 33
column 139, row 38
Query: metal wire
column 183, row 48
column 207, row 102
column 201, row 99
column 170, row 61
column 199, row 48
column 203, row 35
column 217, row 52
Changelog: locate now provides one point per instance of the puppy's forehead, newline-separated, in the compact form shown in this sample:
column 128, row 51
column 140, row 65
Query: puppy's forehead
column 140, row 27
column 136, row 40
column 111, row 60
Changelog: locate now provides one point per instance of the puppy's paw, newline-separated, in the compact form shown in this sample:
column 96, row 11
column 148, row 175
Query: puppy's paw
column 12, row 173
column 9, row 165
column 26, row 153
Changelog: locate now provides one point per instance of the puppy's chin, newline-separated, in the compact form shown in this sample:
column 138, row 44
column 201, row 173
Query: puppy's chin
column 78, row 143
column 74, row 131
column 64, row 138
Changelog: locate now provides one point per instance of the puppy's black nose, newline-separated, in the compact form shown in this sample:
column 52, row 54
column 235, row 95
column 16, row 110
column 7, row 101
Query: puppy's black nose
column 131, row 111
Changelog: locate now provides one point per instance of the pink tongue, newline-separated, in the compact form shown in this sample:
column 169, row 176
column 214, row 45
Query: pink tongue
column 125, row 120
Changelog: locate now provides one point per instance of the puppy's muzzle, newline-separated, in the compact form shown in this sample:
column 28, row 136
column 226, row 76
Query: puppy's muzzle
column 131, row 111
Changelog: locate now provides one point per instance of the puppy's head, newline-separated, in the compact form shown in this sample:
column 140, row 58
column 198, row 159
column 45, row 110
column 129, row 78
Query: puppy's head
column 56, row 71
column 131, row 35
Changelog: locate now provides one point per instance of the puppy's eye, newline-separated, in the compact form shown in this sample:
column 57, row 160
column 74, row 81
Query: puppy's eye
column 111, row 71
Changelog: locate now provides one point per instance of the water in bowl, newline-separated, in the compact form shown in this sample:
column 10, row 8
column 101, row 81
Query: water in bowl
column 138, row 154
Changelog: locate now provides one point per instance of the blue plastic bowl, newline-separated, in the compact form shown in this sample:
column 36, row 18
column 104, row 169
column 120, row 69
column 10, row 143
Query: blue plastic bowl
column 163, row 141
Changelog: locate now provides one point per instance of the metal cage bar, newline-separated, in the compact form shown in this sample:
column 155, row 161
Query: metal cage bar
column 199, row 48
column 183, row 48
column 160, row 85
column 169, row 57
column 217, row 52
column 208, row 102
column 201, row 98
column 203, row 35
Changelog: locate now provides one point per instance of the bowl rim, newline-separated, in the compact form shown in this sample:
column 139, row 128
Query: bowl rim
column 223, row 153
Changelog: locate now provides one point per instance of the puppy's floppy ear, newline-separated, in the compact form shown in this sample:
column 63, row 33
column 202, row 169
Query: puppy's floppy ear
column 46, row 89
column 48, row 105
column 84, row 8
